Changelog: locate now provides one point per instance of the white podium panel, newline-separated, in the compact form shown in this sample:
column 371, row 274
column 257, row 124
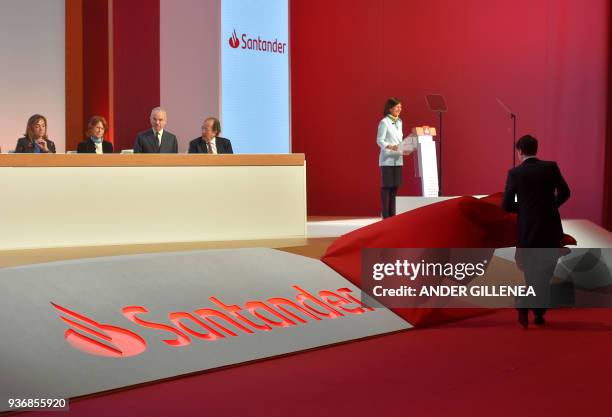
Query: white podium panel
column 426, row 163
column 201, row 198
column 428, row 166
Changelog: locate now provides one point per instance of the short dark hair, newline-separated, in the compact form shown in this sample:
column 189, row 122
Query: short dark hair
column 391, row 102
column 528, row 145
column 216, row 124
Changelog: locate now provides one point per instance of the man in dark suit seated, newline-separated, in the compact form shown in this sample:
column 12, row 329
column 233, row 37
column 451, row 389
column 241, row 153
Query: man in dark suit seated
column 540, row 190
column 210, row 142
column 156, row 140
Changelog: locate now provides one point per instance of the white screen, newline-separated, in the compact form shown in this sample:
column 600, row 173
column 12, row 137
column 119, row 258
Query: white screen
column 255, row 80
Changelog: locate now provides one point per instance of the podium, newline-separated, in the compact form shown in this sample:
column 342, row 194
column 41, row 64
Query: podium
column 426, row 164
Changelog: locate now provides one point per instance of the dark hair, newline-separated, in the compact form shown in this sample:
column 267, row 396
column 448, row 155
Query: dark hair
column 528, row 145
column 216, row 125
column 94, row 121
column 29, row 133
column 391, row 102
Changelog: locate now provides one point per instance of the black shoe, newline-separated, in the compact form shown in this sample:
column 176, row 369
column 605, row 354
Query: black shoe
column 523, row 318
column 539, row 320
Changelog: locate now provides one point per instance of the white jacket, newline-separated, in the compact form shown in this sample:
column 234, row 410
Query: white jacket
column 389, row 134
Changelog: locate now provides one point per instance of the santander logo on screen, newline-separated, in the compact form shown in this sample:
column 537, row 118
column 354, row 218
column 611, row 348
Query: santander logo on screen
column 207, row 324
column 257, row 44
column 233, row 41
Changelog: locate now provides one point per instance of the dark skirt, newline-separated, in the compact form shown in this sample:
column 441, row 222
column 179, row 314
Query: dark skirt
column 391, row 176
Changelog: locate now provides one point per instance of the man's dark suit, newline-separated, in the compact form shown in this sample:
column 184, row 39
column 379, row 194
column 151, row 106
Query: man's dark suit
column 146, row 142
column 541, row 190
column 88, row 146
column 198, row 145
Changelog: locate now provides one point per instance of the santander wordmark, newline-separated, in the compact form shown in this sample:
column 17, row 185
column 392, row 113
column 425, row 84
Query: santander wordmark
column 257, row 44
column 209, row 324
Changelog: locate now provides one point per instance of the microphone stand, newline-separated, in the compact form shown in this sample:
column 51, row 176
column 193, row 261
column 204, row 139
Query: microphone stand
column 513, row 117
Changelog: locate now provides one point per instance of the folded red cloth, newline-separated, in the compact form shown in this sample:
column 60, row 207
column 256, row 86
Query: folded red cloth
column 462, row 222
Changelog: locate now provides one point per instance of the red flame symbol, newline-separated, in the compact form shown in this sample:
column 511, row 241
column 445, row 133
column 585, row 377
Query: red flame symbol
column 100, row 339
column 233, row 41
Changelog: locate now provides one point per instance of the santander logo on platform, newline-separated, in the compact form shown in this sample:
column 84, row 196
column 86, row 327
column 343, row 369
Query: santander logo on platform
column 257, row 44
column 100, row 339
column 207, row 324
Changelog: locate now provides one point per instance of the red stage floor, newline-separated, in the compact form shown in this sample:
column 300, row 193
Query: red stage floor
column 484, row 366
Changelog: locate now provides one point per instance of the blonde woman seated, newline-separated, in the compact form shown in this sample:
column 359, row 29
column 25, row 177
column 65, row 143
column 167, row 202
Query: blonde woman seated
column 95, row 143
column 35, row 139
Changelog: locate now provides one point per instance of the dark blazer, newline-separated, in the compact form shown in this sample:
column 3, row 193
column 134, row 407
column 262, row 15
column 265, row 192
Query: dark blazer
column 198, row 145
column 25, row 145
column 88, row 146
column 541, row 190
column 146, row 142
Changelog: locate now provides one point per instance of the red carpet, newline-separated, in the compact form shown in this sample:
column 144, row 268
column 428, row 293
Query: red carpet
column 484, row 366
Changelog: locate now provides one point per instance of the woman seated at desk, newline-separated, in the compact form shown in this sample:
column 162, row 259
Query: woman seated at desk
column 95, row 143
column 35, row 139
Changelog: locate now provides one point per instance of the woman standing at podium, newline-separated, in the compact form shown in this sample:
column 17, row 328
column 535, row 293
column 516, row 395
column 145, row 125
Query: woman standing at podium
column 391, row 159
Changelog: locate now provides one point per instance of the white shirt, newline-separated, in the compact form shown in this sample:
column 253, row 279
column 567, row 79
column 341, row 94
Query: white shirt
column 98, row 147
column 390, row 133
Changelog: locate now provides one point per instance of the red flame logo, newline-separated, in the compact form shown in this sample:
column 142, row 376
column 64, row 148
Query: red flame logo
column 100, row 339
column 233, row 41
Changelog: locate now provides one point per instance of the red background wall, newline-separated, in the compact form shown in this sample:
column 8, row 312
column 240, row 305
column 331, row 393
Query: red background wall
column 136, row 68
column 96, row 63
column 608, row 168
column 548, row 60
column 115, row 71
